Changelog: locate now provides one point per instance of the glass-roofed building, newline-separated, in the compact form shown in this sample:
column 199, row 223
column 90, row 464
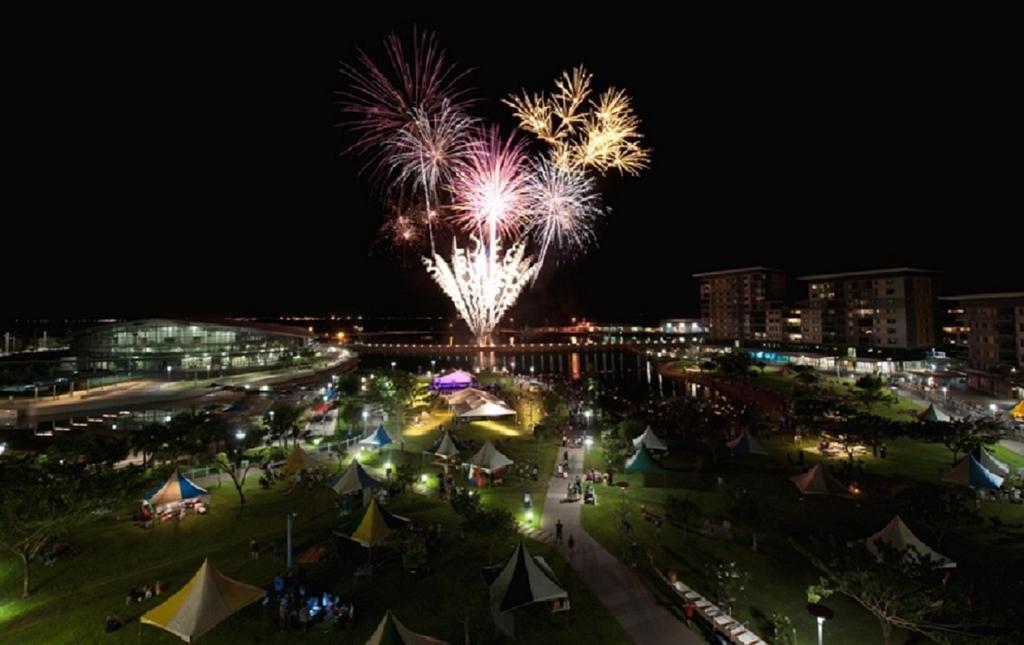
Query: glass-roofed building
column 213, row 347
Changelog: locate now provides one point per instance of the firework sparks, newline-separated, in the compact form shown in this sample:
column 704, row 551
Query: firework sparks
column 403, row 232
column 426, row 154
column 582, row 133
column 483, row 282
column 565, row 206
column 491, row 191
column 383, row 100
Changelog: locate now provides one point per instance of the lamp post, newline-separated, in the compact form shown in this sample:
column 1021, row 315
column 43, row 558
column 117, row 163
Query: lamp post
column 291, row 521
column 168, row 372
column 365, row 415
column 821, row 613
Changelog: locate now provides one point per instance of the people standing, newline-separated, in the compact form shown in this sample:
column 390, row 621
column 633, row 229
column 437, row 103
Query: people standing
column 571, row 544
column 254, row 549
column 558, row 532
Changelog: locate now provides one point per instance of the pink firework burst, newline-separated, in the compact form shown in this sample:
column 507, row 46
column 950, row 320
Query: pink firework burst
column 382, row 100
column 491, row 190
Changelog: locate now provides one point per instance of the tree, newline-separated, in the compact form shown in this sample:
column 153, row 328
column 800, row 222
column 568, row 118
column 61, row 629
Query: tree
column 496, row 523
column 901, row 592
column 755, row 515
column 939, row 509
column 681, row 512
column 284, row 423
column 464, row 503
column 231, row 459
column 962, row 437
column 192, row 433
column 148, row 441
column 406, row 475
column 42, row 500
column 783, row 632
column 734, row 364
column 87, row 447
column 728, row 580
column 869, row 390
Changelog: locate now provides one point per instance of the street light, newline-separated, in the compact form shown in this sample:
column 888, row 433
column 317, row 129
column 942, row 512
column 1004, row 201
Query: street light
column 168, row 372
column 365, row 415
column 239, row 434
column 291, row 520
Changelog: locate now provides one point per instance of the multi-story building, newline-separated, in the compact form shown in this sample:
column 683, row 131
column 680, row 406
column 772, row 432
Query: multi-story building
column 784, row 323
column 995, row 342
column 884, row 309
column 734, row 304
column 955, row 330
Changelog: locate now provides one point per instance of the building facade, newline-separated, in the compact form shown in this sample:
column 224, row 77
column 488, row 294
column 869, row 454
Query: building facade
column 735, row 304
column 185, row 348
column 884, row 309
column 995, row 341
column 955, row 330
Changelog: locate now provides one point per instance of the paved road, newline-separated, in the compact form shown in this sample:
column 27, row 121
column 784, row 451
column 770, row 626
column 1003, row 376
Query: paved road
column 616, row 585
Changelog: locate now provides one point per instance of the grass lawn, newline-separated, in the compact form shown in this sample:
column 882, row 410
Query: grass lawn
column 779, row 573
column 73, row 596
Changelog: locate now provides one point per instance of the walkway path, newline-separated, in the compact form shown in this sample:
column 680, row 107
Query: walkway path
column 617, row 586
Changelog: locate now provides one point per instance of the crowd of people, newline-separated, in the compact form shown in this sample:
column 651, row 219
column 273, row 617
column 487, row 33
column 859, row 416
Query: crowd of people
column 145, row 592
column 299, row 608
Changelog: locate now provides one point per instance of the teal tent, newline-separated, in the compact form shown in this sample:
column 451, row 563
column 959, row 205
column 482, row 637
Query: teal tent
column 643, row 462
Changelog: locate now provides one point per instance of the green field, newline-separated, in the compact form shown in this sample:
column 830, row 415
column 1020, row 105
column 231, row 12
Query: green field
column 73, row 596
column 779, row 573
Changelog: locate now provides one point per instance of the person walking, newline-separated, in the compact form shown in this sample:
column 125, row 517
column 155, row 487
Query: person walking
column 571, row 544
column 558, row 532
column 254, row 549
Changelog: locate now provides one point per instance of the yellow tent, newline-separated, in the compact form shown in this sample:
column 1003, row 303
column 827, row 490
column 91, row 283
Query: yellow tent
column 300, row 460
column 205, row 600
column 377, row 524
column 1018, row 410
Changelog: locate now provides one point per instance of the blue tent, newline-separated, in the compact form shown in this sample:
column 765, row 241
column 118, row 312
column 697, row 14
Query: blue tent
column 745, row 445
column 379, row 438
column 176, row 488
column 970, row 472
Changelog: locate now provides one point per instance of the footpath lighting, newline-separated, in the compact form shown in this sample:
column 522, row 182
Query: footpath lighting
column 239, row 434
column 589, row 442
column 529, row 517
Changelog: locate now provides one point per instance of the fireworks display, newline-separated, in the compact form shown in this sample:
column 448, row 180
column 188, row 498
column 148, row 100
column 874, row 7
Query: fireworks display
column 440, row 165
column 565, row 205
column 602, row 135
column 483, row 282
column 491, row 190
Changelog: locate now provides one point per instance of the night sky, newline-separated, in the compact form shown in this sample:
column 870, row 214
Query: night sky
column 198, row 171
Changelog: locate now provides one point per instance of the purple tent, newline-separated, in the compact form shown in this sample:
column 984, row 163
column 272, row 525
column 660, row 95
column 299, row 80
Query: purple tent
column 452, row 381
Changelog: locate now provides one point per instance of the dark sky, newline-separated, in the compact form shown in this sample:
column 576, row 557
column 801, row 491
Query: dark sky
column 197, row 170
